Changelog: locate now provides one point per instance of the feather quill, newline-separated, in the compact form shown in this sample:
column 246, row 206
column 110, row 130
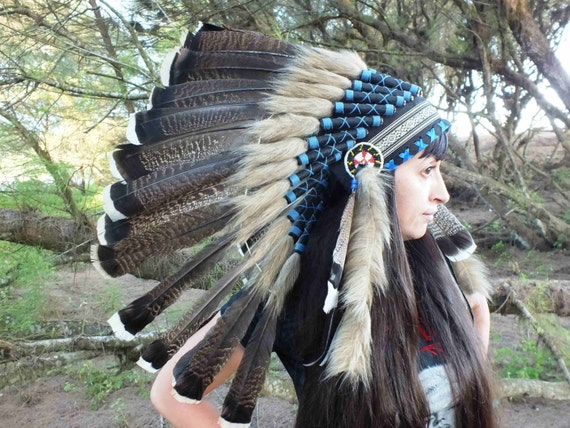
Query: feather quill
column 153, row 125
column 154, row 189
column 209, row 92
column 125, row 256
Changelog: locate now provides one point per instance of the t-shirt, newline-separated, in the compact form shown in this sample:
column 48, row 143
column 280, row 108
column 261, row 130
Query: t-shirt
column 435, row 381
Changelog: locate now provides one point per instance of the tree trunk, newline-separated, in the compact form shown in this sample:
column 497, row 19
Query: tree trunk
column 530, row 37
column 57, row 234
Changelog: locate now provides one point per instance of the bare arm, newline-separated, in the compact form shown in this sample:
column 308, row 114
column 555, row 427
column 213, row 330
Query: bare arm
column 183, row 415
column 482, row 316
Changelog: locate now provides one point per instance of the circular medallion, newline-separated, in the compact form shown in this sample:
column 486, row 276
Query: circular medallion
column 363, row 154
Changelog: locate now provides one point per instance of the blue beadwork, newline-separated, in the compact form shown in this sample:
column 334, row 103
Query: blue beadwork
column 421, row 145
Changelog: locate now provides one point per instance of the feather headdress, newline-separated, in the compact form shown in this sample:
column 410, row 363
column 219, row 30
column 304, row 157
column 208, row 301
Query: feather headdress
column 239, row 146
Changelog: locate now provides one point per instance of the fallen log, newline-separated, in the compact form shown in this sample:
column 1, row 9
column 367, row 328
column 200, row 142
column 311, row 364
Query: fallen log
column 542, row 334
column 101, row 344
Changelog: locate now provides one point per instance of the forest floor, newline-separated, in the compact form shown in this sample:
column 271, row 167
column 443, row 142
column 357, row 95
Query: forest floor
column 95, row 393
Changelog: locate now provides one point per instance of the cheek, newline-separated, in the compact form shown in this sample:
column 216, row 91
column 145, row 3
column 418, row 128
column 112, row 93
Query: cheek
column 409, row 208
column 403, row 204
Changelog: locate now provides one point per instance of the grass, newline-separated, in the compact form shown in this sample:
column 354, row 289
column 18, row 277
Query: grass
column 26, row 270
column 528, row 361
column 101, row 382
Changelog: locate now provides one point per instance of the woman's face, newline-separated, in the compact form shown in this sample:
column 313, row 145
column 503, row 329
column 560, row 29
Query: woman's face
column 419, row 189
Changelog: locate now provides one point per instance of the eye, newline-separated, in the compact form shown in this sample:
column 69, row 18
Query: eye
column 429, row 170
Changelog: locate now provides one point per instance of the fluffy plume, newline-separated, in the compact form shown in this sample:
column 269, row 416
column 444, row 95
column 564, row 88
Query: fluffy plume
column 473, row 276
column 285, row 126
column 364, row 275
column 316, row 107
column 344, row 63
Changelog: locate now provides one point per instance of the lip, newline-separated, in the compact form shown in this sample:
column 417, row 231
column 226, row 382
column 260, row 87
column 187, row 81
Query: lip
column 429, row 216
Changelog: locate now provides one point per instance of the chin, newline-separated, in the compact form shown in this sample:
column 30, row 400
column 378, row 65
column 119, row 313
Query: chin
column 410, row 235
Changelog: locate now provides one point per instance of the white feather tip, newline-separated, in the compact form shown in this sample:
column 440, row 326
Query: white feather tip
column 119, row 328
column 132, row 130
column 109, row 206
column 182, row 399
column 145, row 365
column 332, row 298
column 113, row 167
column 227, row 424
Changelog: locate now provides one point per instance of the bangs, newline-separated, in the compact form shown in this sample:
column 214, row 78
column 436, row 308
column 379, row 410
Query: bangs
column 437, row 149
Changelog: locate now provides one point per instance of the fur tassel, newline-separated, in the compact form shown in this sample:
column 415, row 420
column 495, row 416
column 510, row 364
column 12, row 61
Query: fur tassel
column 295, row 75
column 274, row 152
column 264, row 174
column 364, row 275
column 296, row 94
column 284, row 282
column 264, row 205
column 285, row 126
column 267, row 242
column 316, row 107
column 345, row 63
column 473, row 276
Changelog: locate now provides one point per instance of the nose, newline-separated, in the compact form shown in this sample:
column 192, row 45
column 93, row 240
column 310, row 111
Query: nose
column 439, row 192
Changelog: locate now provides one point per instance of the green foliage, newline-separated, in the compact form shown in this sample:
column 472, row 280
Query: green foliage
column 562, row 176
column 529, row 361
column 501, row 253
column 22, row 302
column 99, row 383
column 34, row 194
column 110, row 298
column 538, row 266
column 558, row 334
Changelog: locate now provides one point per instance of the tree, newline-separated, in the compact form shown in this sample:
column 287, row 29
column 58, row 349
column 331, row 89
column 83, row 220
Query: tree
column 70, row 75
column 84, row 65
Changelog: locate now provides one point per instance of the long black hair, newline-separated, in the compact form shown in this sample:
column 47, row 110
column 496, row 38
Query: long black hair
column 421, row 287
